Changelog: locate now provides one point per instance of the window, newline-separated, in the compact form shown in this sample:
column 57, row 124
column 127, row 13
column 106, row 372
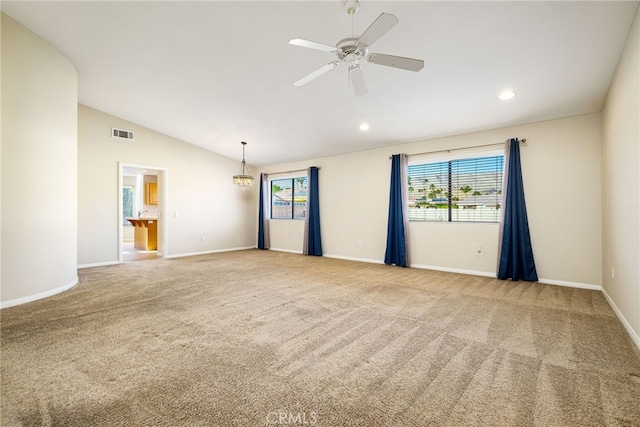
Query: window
column 289, row 198
column 464, row 190
column 127, row 203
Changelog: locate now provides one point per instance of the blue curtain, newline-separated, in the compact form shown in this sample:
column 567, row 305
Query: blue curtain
column 312, row 240
column 263, row 213
column 516, row 255
column 397, row 229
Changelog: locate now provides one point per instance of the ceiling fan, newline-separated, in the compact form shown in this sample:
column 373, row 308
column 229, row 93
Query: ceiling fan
column 352, row 49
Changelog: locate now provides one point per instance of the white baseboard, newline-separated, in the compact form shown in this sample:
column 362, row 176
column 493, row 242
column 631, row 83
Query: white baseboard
column 633, row 334
column 216, row 251
column 570, row 284
column 454, row 270
column 291, row 251
column 41, row 295
column 98, row 264
column 102, row 264
column 350, row 258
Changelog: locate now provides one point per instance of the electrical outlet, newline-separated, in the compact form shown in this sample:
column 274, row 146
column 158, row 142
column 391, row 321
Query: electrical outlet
column 479, row 251
column 359, row 242
column 202, row 238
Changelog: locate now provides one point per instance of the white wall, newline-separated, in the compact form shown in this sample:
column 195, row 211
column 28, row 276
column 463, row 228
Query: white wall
column 199, row 190
column 621, row 186
column 286, row 235
column 561, row 168
column 39, row 167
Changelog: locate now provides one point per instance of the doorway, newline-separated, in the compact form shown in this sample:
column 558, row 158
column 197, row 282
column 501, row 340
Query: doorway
column 141, row 207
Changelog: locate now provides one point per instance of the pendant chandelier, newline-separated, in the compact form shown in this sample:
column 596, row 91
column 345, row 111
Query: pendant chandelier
column 244, row 180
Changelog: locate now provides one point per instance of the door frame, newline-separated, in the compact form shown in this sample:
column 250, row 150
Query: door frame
column 163, row 181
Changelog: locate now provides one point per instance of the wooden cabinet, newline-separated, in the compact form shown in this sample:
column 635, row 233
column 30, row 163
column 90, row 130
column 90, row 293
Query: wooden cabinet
column 151, row 194
column 145, row 233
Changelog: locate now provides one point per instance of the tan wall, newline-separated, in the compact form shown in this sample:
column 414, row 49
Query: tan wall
column 621, row 185
column 39, row 167
column 561, row 168
column 199, row 190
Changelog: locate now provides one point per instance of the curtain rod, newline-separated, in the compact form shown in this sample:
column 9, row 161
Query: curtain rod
column 295, row 170
column 522, row 141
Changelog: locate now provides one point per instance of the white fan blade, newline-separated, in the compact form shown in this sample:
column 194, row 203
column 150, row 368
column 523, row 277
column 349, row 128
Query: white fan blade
column 357, row 80
column 312, row 45
column 396, row 61
column 317, row 73
column 379, row 28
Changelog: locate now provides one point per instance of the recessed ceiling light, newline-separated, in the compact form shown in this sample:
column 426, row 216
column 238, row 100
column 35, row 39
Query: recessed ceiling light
column 507, row 94
column 364, row 127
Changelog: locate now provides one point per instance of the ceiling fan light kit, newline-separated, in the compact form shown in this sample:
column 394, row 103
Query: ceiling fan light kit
column 352, row 49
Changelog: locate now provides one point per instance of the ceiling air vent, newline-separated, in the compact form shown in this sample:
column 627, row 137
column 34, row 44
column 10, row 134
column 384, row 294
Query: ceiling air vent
column 121, row 133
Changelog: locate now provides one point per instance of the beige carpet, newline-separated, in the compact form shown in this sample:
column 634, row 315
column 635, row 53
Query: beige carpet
column 261, row 338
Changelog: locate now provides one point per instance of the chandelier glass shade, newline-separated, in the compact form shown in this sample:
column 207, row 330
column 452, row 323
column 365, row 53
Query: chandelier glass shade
column 243, row 180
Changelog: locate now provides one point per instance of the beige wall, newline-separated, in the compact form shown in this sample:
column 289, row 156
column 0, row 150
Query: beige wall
column 39, row 167
column 621, row 186
column 562, row 175
column 199, row 191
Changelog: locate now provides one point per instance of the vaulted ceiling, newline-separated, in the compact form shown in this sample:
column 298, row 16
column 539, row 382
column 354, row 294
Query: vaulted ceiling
column 214, row 73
